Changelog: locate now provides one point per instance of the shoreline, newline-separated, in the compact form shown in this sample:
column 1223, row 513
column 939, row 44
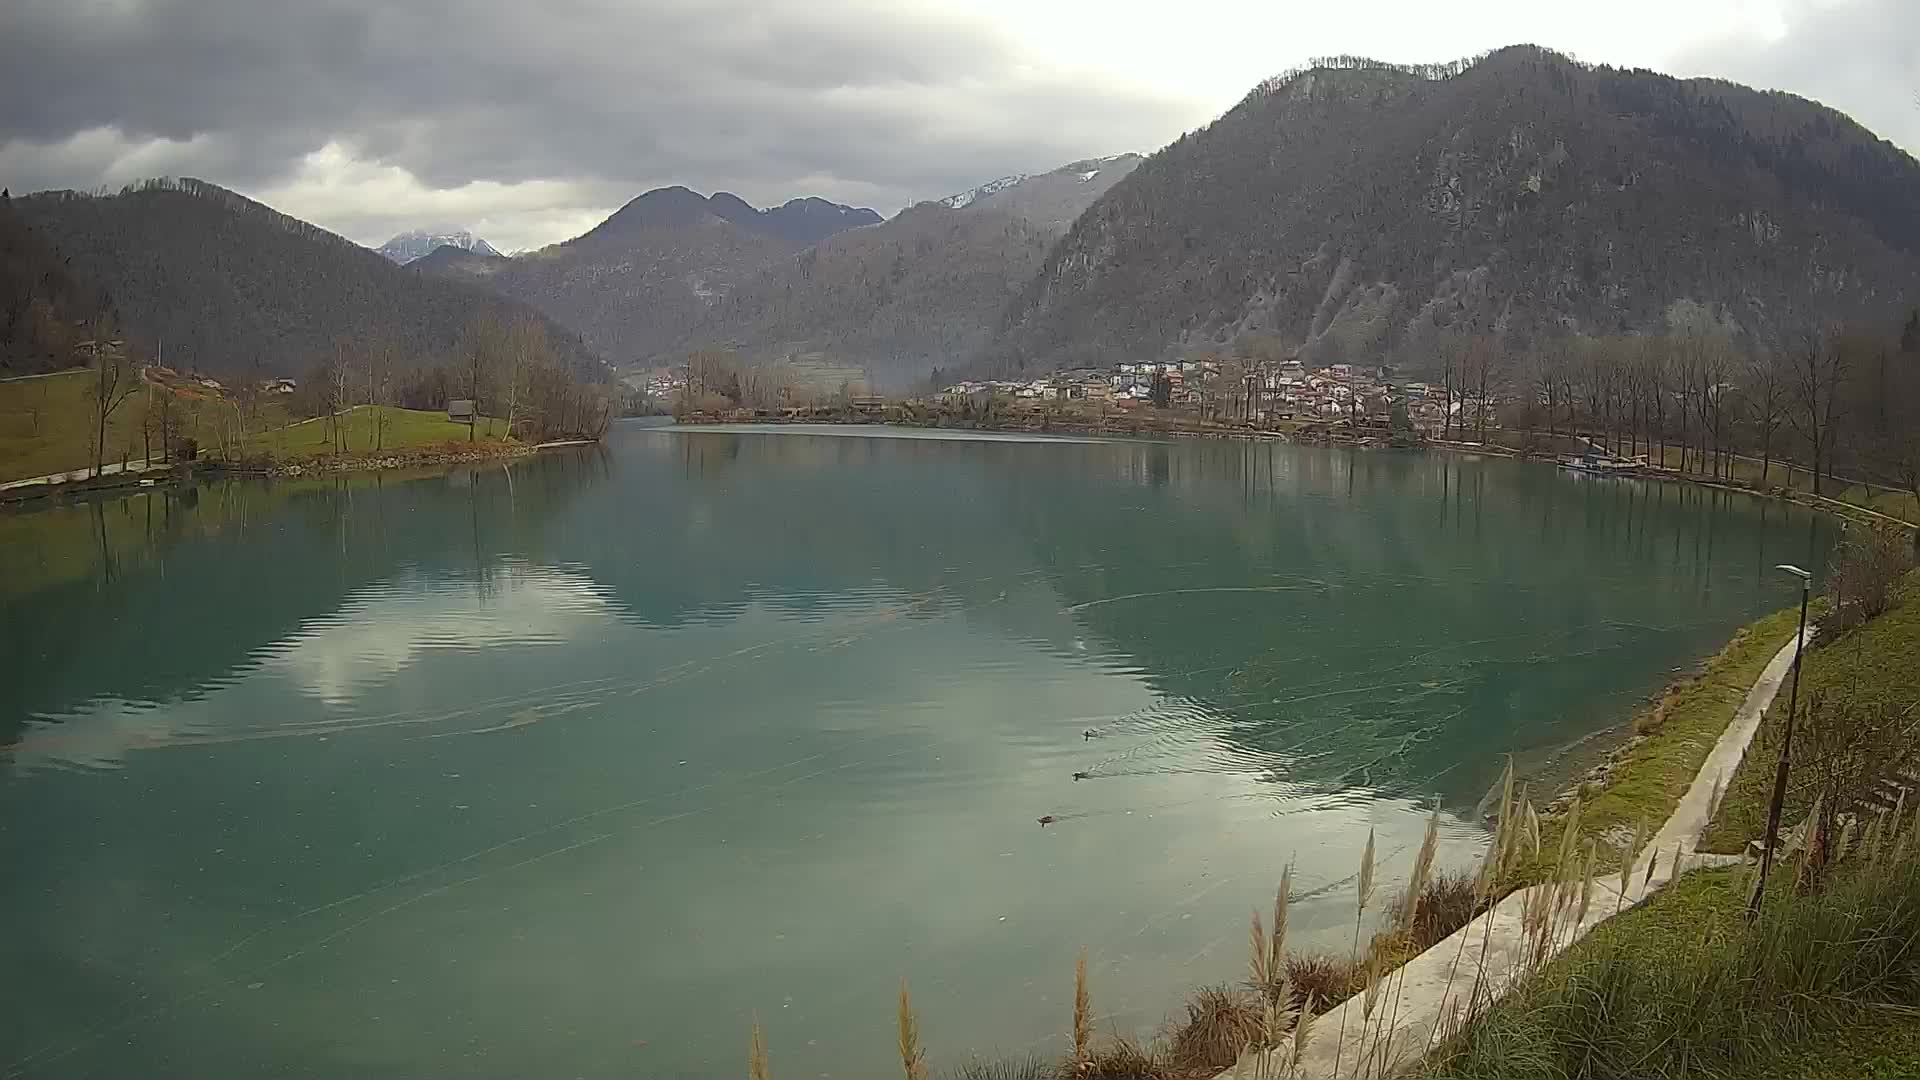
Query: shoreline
column 184, row 473
column 1307, row 433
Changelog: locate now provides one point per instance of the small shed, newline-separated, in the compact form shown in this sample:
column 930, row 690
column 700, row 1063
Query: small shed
column 460, row 410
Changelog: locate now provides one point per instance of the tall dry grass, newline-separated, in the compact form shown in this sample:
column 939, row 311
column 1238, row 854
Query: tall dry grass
column 757, row 1052
column 1082, row 1010
column 913, row 1058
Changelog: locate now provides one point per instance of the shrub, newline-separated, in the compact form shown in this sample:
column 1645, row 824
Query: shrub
column 1328, row 980
column 1867, row 564
column 1122, row 1058
column 1220, row 1023
column 1029, row 1067
column 1445, row 904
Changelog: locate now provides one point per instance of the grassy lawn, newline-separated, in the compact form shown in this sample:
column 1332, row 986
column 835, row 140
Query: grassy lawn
column 1680, row 730
column 1898, row 504
column 1882, row 1048
column 46, row 426
column 1877, row 663
column 404, row 428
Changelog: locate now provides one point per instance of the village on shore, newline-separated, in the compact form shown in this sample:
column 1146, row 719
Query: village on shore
column 1286, row 390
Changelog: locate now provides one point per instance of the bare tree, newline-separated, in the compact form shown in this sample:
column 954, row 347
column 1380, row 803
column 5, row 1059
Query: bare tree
column 341, row 402
column 1710, row 371
column 1818, row 372
column 1766, row 405
column 526, row 349
column 114, row 379
column 1482, row 357
column 479, row 353
column 379, row 368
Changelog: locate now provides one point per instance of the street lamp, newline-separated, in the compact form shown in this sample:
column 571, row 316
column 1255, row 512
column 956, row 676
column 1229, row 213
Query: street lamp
column 1786, row 745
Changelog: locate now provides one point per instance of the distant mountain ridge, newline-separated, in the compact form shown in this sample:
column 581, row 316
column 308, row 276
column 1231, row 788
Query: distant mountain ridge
column 420, row 243
column 1052, row 199
column 648, row 274
column 797, row 223
column 225, row 282
column 1359, row 210
column 673, row 271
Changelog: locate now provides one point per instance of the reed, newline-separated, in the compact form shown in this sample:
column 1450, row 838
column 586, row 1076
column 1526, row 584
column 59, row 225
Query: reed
column 757, row 1052
column 1082, row 1009
column 1409, row 908
column 1277, row 938
column 1302, row 1031
column 1258, row 976
column 1422, row 867
column 913, row 1059
column 1586, row 880
column 1363, row 894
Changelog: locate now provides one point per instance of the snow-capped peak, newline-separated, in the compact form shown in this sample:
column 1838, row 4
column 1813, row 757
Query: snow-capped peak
column 418, row 243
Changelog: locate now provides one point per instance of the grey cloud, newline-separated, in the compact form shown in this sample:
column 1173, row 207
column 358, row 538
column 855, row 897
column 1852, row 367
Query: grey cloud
column 1859, row 56
column 765, row 97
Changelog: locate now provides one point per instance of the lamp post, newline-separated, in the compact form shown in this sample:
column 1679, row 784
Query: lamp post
column 1786, row 746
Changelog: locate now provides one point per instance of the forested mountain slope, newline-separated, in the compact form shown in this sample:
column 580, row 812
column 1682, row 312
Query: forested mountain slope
column 220, row 282
column 1361, row 211
column 898, row 299
column 43, row 306
column 923, row 290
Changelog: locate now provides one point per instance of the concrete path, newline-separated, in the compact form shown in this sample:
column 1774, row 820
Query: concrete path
column 1437, row 983
column 109, row 469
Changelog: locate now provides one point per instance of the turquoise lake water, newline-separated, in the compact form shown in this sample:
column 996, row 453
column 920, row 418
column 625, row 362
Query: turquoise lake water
column 574, row 765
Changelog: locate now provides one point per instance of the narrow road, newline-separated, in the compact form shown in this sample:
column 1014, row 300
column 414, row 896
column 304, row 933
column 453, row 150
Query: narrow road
column 109, row 469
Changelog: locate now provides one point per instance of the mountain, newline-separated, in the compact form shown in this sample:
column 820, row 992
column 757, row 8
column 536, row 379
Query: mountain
column 647, row 275
column 1359, row 209
column 43, row 304
column 409, row 246
column 223, row 282
column 925, row 289
column 799, row 223
column 1051, row 200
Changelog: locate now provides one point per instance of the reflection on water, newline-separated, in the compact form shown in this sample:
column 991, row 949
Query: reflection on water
column 574, row 764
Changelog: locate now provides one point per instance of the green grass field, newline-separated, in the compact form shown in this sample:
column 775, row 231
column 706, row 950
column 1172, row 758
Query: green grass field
column 46, row 427
column 1684, row 985
column 403, row 428
column 1899, row 504
column 1876, row 664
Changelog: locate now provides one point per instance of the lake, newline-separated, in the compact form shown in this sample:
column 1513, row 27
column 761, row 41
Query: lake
column 574, row 765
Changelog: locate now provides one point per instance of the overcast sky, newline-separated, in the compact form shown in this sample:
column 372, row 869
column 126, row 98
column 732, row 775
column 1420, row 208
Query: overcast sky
column 529, row 122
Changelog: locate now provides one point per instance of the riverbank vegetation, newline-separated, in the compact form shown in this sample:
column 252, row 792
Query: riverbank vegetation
column 1686, row 986
column 353, row 405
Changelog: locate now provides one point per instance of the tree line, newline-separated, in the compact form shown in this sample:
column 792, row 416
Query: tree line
column 519, row 386
column 1833, row 403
